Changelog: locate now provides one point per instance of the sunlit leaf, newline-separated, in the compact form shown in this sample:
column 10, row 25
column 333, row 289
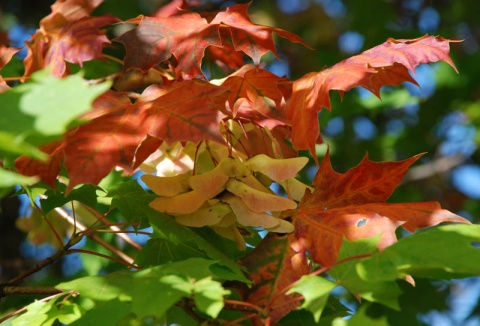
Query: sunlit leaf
column 315, row 290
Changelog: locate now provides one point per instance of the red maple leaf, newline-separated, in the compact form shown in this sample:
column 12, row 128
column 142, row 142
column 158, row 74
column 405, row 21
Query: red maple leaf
column 352, row 205
column 47, row 171
column 67, row 34
column 184, row 111
column 252, row 39
column 386, row 64
column 188, row 111
column 156, row 39
column 273, row 266
column 186, row 35
column 259, row 88
column 6, row 55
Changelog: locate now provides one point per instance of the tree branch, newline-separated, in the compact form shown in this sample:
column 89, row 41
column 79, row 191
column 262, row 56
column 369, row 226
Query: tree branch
column 437, row 166
column 27, row 290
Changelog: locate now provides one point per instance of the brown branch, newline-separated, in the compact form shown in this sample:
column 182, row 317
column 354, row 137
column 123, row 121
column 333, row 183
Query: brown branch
column 113, row 227
column 71, row 251
column 28, row 290
column 317, row 272
column 94, row 237
column 41, row 265
column 437, row 166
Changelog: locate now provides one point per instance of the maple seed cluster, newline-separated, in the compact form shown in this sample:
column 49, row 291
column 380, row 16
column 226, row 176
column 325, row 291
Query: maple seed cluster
column 231, row 194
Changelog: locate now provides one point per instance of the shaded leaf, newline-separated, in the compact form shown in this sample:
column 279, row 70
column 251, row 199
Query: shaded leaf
column 156, row 39
column 170, row 288
column 108, row 313
column 360, row 318
column 86, row 194
column 274, row 265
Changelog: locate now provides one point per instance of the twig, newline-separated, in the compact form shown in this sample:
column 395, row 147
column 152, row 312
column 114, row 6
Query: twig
column 28, row 290
column 129, row 260
column 437, row 166
column 317, row 272
column 19, row 311
column 71, row 251
column 113, row 227
column 44, row 263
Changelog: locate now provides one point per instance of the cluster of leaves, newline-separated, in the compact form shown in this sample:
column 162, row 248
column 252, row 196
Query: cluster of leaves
column 217, row 142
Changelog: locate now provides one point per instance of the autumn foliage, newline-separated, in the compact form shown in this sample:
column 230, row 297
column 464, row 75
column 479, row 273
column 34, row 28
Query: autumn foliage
column 210, row 146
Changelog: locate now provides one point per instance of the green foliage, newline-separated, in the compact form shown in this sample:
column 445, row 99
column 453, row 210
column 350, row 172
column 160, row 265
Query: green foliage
column 315, row 290
column 444, row 252
column 346, row 274
column 193, row 278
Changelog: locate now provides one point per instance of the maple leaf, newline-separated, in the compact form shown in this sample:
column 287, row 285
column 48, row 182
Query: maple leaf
column 186, row 35
column 273, row 266
column 171, row 9
column 259, row 88
column 67, row 34
column 6, row 55
column 252, row 39
column 352, row 205
column 48, row 170
column 385, row 64
column 65, row 11
column 156, row 39
column 116, row 127
column 188, row 111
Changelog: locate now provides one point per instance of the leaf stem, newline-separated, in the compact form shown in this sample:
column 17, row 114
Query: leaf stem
column 317, row 272
column 112, row 58
column 103, row 256
column 113, row 227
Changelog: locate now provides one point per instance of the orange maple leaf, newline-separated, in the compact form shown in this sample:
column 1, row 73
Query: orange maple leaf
column 352, row 206
column 273, row 266
column 188, row 111
column 6, row 55
column 385, row 64
column 156, row 39
column 259, row 88
column 67, row 34
column 252, row 39
column 117, row 127
column 47, row 171
column 186, row 35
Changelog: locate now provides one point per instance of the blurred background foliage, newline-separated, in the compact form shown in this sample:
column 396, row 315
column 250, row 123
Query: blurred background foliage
column 441, row 118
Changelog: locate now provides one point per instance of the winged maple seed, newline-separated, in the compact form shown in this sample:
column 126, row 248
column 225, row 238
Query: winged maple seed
column 229, row 195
